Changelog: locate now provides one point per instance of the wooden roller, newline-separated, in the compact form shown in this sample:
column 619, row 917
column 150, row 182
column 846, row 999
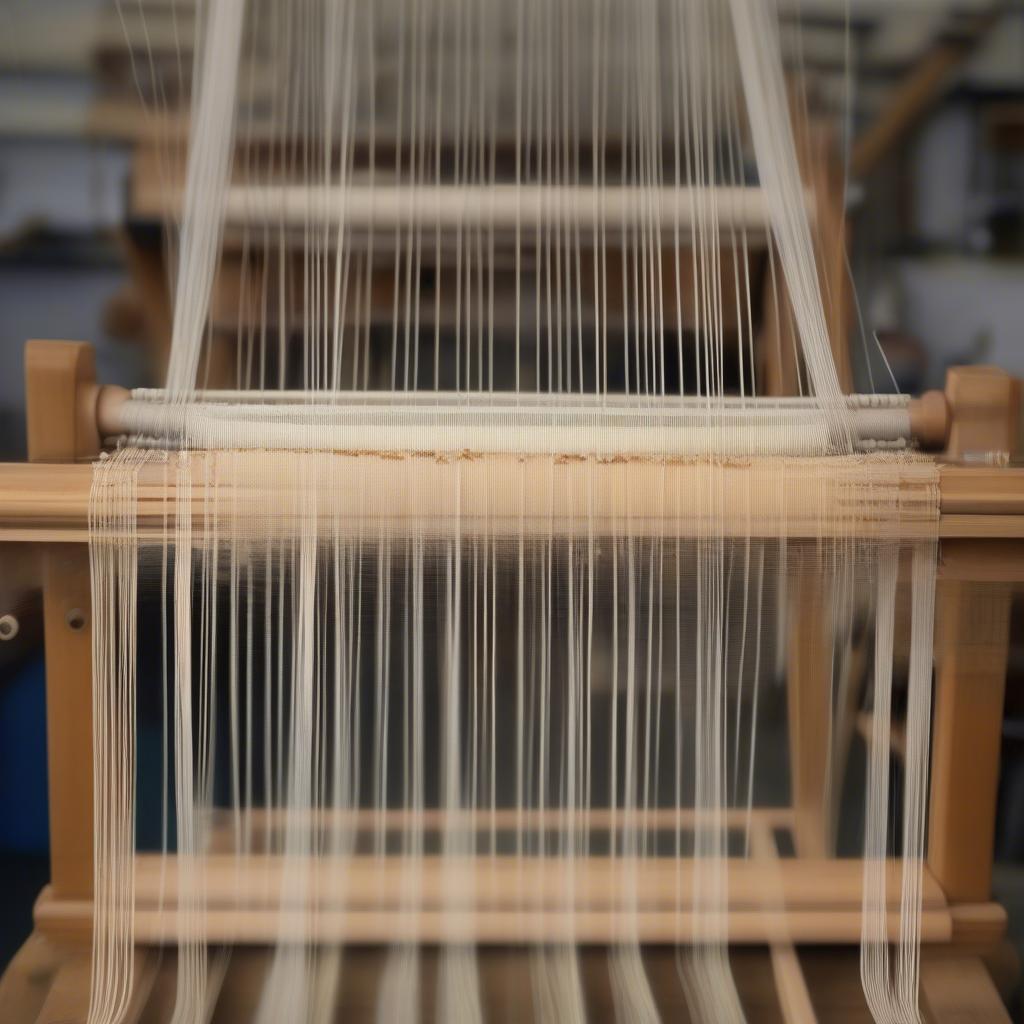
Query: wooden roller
column 929, row 416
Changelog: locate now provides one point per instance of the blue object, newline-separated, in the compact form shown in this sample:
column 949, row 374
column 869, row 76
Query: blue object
column 24, row 818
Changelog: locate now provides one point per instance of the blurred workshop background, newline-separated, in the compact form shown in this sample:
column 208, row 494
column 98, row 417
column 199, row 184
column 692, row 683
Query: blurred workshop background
column 925, row 96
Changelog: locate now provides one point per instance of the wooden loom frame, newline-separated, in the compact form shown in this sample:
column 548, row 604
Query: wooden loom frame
column 982, row 534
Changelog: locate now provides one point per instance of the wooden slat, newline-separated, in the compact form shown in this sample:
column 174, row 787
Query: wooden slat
column 49, row 496
column 50, row 503
column 971, row 652
column 73, row 921
column 68, row 996
column 972, row 649
column 961, row 992
column 366, row 881
column 808, row 693
column 263, row 819
column 978, row 925
column 26, row 979
column 790, row 983
column 67, row 603
column 981, row 490
column 362, row 900
column 956, row 987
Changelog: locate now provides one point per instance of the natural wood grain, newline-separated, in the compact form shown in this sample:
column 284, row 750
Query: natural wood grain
column 973, row 621
column 972, row 649
column 808, row 694
column 961, row 992
column 59, row 375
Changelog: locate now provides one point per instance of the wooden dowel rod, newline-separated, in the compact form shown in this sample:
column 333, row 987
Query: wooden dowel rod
column 265, row 927
column 433, row 818
column 930, row 420
column 981, row 490
column 502, row 207
column 926, row 420
column 588, row 927
column 505, row 881
column 50, row 503
column 510, row 494
column 790, row 983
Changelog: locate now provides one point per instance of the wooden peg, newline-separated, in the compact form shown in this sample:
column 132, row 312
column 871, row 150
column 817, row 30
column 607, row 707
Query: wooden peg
column 930, row 420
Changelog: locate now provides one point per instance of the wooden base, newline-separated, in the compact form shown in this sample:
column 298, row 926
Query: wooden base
column 500, row 900
column 49, row 984
column 50, row 503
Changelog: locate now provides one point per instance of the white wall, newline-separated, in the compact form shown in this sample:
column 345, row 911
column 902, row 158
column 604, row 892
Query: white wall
column 965, row 310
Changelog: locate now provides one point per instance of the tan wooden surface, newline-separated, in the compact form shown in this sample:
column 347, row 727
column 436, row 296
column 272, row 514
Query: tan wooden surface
column 72, row 923
column 956, row 989
column 50, row 503
column 972, row 643
column 790, row 983
column 60, row 376
column 809, row 695
column 501, row 900
column 506, row 881
column 68, row 994
column 26, row 981
column 984, row 405
column 66, row 603
column 960, row 991
column 57, row 375
column 972, row 648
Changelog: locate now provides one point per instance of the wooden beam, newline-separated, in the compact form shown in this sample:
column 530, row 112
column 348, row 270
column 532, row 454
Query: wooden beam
column 70, row 922
column 57, row 375
column 809, row 697
column 26, row 979
column 972, row 649
column 49, row 504
column 960, row 991
column 790, row 983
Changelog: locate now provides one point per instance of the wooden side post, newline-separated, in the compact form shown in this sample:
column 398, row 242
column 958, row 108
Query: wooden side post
column 777, row 343
column 922, row 86
column 808, row 671
column 960, row 991
column 972, row 634
column 972, row 646
column 984, row 408
column 59, row 386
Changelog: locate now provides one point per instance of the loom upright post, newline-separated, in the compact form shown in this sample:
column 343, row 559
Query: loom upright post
column 809, row 697
column 972, row 648
column 57, row 376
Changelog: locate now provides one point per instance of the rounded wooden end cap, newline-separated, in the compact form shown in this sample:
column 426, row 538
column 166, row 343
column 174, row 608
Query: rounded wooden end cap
column 930, row 420
column 109, row 401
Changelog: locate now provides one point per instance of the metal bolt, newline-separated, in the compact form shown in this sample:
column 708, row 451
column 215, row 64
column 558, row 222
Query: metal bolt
column 8, row 627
